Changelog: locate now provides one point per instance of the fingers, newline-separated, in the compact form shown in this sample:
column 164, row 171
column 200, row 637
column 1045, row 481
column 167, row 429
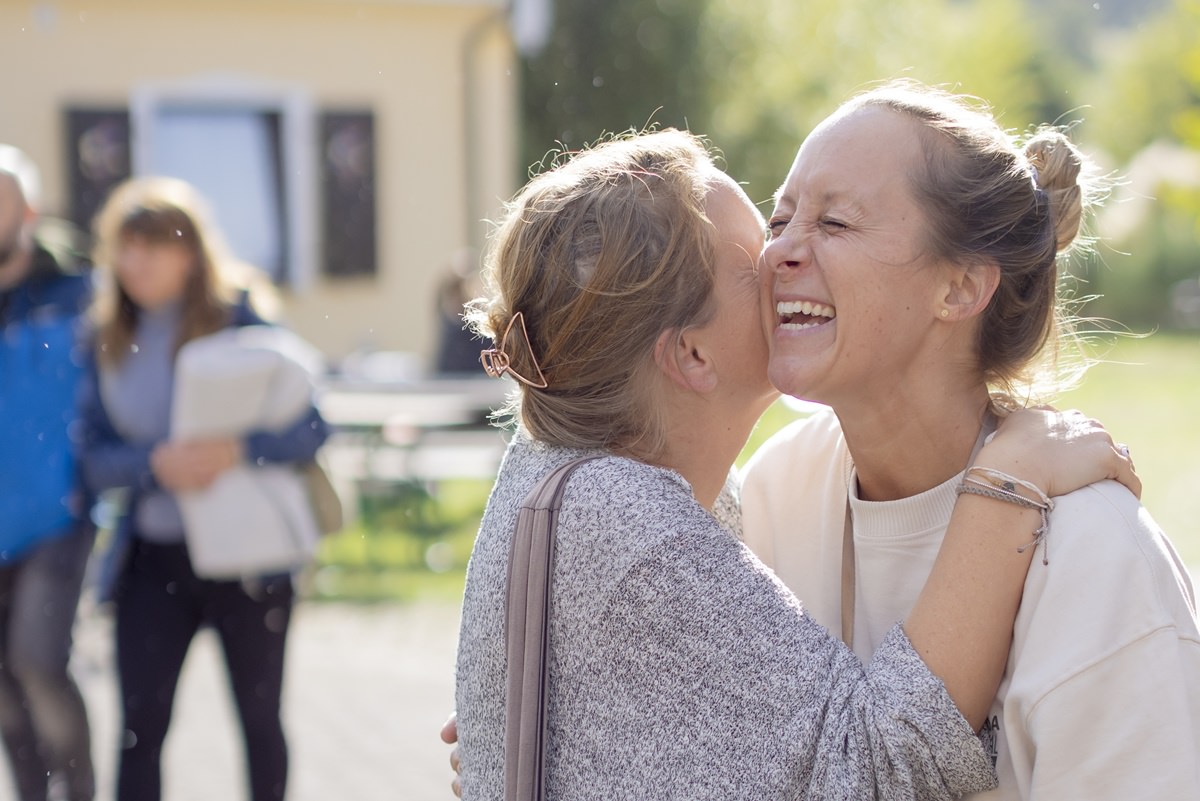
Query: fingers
column 1059, row 451
column 193, row 464
column 456, row 782
column 1126, row 472
column 171, row 468
column 449, row 733
column 1123, row 470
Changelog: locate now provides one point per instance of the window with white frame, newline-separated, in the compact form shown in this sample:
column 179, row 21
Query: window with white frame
column 249, row 148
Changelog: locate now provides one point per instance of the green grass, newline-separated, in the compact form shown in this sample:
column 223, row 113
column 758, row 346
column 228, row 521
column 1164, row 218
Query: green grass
column 1146, row 392
column 409, row 542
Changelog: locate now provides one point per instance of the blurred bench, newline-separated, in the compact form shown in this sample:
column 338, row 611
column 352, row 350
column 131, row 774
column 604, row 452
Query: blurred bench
column 390, row 437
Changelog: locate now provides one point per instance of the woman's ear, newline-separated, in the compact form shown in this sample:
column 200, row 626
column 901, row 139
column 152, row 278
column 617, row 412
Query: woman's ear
column 681, row 357
column 969, row 290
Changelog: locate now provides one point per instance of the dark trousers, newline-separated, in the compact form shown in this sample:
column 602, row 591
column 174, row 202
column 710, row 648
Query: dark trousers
column 160, row 606
column 43, row 721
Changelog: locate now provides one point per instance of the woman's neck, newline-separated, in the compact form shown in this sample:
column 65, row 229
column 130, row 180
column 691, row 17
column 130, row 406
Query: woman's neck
column 705, row 465
column 704, row 440
column 902, row 449
column 168, row 309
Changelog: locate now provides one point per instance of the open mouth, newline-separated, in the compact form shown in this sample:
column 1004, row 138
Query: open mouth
column 796, row 315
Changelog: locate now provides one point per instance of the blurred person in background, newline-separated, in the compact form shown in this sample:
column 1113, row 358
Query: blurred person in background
column 45, row 534
column 458, row 346
column 168, row 280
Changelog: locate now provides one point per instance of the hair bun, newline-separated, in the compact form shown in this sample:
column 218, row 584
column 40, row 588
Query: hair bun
column 1057, row 165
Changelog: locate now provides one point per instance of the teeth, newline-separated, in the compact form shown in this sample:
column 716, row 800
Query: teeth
column 804, row 307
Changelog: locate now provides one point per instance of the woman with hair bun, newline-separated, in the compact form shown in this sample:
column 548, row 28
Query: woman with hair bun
column 910, row 284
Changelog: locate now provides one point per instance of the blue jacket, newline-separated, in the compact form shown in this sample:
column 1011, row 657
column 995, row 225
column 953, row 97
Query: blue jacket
column 111, row 462
column 41, row 362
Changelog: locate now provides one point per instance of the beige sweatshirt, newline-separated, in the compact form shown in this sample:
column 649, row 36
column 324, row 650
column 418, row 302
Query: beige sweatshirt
column 1101, row 698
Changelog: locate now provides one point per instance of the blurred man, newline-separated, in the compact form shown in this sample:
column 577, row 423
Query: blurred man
column 45, row 537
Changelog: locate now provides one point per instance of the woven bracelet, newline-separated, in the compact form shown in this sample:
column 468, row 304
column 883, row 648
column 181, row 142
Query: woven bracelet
column 989, row 490
column 1039, row 536
column 1004, row 481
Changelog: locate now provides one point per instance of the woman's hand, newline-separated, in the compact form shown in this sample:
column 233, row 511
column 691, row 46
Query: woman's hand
column 193, row 464
column 1058, row 452
column 450, row 737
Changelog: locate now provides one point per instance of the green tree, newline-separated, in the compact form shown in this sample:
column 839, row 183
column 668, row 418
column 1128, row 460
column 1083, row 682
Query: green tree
column 610, row 66
column 1149, row 77
column 777, row 68
column 1149, row 126
column 757, row 75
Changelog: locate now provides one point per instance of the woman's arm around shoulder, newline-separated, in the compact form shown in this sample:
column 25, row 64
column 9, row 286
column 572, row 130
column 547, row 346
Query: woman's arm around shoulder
column 704, row 653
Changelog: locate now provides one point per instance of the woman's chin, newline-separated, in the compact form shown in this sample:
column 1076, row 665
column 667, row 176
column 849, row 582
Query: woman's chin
column 794, row 376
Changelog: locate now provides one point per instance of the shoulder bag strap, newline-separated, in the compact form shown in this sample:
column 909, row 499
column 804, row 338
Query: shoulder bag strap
column 530, row 567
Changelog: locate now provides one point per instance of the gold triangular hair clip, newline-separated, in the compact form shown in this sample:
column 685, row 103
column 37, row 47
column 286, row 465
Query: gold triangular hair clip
column 496, row 363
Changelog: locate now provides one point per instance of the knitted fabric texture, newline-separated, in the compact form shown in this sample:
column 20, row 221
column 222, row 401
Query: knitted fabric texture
column 681, row 668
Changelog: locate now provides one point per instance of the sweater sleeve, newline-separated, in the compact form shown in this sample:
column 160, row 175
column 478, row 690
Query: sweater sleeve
column 738, row 670
column 298, row 442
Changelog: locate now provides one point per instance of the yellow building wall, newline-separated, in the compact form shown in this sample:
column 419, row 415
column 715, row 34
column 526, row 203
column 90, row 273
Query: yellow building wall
column 402, row 60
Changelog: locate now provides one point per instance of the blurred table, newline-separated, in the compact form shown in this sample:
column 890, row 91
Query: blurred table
column 423, row 430
column 429, row 403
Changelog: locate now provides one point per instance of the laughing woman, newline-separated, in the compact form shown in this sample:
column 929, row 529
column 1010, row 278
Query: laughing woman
column 910, row 284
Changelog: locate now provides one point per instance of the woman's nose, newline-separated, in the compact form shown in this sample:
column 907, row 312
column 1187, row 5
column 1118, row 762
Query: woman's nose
column 786, row 253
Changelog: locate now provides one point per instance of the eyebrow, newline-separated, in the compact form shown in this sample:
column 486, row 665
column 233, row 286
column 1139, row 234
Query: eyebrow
column 829, row 196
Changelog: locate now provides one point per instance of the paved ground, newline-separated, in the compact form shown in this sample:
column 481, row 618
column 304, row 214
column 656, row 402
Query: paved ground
column 366, row 692
column 367, row 689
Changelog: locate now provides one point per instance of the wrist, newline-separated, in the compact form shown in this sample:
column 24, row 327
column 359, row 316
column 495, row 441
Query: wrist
column 987, row 482
column 1018, row 490
column 996, row 457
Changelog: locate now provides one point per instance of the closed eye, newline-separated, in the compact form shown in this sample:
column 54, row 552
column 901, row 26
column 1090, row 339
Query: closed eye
column 775, row 228
column 832, row 224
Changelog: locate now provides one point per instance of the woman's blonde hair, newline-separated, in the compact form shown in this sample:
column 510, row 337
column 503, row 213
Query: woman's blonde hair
column 1017, row 202
column 600, row 255
column 166, row 210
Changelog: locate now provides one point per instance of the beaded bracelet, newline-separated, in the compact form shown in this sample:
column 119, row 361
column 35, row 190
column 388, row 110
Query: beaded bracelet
column 1004, row 481
column 975, row 487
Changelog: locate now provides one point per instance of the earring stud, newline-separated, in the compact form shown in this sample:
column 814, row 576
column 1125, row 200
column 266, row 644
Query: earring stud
column 945, row 313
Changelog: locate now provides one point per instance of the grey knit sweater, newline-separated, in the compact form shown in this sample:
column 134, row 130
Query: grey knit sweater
column 681, row 668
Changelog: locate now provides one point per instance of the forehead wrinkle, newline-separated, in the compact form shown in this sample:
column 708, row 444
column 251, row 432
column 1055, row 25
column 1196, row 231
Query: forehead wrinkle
column 841, row 197
column 825, row 199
